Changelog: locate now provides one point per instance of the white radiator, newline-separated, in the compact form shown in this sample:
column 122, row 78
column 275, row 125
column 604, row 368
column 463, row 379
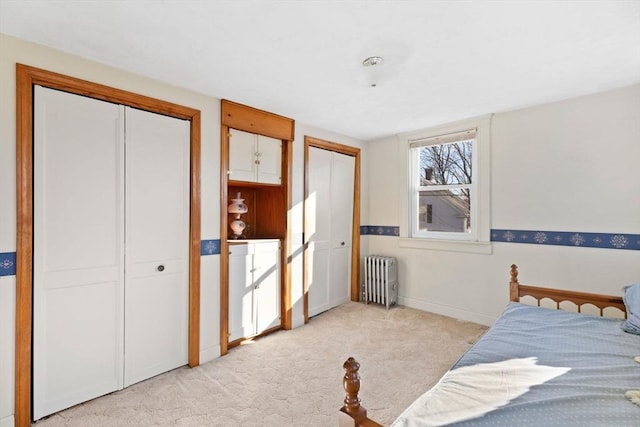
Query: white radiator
column 380, row 280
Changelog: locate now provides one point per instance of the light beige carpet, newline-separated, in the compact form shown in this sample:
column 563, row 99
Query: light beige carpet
column 294, row 378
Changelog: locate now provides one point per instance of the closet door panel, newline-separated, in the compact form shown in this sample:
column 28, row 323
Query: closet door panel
column 340, row 276
column 342, row 181
column 318, row 229
column 318, row 279
column 78, row 252
column 157, row 244
column 342, row 178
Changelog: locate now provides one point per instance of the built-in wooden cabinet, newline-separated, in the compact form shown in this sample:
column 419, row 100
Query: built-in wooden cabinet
column 256, row 151
column 254, row 288
column 254, row 158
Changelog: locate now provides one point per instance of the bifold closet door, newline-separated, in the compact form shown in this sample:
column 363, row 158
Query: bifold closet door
column 78, row 250
column 318, row 229
column 342, row 183
column 328, row 225
column 111, row 229
column 157, row 244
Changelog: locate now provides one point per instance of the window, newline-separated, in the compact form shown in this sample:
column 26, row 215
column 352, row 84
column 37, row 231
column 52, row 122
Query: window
column 459, row 218
column 443, row 186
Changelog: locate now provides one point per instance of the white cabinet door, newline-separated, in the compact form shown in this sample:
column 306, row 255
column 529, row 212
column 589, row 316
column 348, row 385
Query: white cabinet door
column 157, row 244
column 78, row 250
column 254, row 158
column 254, row 288
column 269, row 160
column 328, row 228
column 242, row 156
column 266, row 280
column 241, row 302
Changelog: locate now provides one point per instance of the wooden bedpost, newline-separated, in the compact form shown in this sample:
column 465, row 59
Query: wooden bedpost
column 514, row 294
column 352, row 414
column 351, row 384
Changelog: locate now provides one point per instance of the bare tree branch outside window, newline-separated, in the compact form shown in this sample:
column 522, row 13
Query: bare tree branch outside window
column 451, row 163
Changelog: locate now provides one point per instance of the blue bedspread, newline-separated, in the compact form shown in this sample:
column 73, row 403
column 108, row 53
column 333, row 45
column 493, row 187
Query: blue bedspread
column 538, row 367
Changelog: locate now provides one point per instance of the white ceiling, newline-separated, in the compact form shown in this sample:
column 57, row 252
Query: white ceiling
column 444, row 60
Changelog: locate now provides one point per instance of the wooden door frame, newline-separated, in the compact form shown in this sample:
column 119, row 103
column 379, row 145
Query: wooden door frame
column 26, row 78
column 310, row 141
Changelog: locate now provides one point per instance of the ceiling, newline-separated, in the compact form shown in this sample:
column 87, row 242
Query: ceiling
column 443, row 60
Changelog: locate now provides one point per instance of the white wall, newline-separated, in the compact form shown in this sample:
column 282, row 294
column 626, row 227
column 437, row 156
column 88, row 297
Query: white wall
column 566, row 166
column 19, row 51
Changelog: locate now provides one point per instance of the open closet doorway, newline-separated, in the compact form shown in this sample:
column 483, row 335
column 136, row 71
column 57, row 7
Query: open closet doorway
column 331, row 225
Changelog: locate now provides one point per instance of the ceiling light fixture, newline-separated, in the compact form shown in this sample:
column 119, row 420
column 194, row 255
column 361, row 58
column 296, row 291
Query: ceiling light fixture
column 373, row 60
column 370, row 62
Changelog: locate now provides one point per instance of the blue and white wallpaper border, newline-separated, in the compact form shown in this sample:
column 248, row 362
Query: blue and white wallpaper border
column 7, row 263
column 537, row 237
column 569, row 238
column 379, row 230
column 210, row 247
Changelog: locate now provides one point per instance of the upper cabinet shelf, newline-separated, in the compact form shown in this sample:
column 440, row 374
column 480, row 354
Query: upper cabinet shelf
column 254, row 158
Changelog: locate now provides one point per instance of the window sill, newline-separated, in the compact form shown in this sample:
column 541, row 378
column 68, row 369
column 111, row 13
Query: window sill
column 483, row 248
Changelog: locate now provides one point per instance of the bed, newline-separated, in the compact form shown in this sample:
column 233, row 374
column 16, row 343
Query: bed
column 536, row 366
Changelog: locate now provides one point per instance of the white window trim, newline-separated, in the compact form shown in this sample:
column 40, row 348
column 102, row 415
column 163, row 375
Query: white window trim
column 481, row 241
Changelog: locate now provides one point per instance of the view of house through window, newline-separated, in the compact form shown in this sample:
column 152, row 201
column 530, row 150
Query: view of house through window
column 443, row 184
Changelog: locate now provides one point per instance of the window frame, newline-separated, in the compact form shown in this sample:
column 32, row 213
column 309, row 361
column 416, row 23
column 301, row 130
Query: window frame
column 479, row 240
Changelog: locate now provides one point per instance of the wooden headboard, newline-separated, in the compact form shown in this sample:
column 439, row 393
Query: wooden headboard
column 517, row 291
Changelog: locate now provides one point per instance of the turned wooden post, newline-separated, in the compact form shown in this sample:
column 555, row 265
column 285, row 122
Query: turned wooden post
column 514, row 294
column 351, row 383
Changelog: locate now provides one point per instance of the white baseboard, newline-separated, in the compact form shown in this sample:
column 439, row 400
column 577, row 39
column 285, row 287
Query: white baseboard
column 446, row 311
column 7, row 421
column 208, row 354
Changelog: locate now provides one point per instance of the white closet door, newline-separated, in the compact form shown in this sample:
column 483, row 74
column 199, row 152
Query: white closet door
column 328, row 223
column 78, row 253
column 157, row 244
column 318, row 229
column 342, row 182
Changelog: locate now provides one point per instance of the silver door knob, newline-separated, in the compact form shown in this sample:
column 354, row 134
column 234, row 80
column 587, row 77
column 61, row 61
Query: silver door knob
column 160, row 267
